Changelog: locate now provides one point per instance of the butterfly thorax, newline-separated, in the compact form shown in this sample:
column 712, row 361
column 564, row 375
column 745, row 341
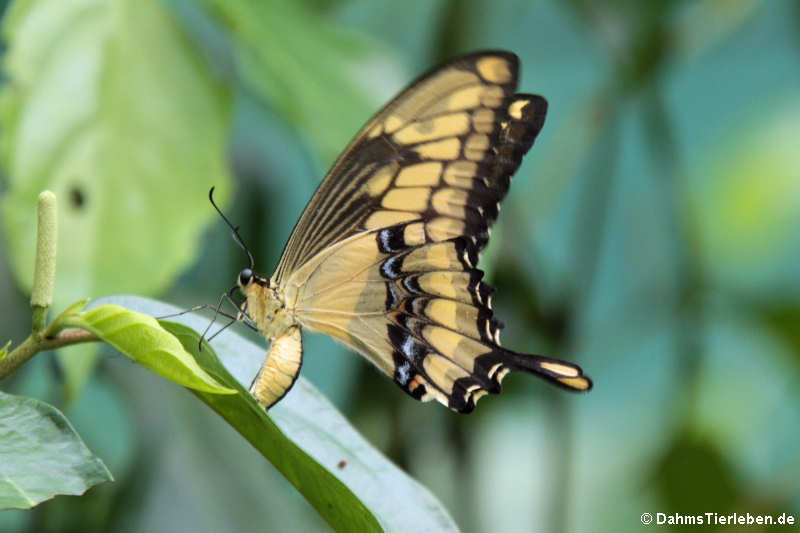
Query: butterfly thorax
column 266, row 304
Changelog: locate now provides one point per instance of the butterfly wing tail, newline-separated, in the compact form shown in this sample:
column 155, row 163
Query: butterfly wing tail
column 562, row 373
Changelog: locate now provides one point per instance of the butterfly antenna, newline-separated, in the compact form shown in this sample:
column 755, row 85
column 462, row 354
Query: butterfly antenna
column 234, row 229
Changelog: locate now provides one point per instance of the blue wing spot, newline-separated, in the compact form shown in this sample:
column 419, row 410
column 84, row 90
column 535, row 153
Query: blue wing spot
column 390, row 240
column 391, row 267
column 403, row 373
column 411, row 349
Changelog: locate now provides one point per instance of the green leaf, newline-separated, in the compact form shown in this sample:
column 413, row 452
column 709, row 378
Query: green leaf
column 4, row 350
column 41, row 455
column 328, row 495
column 70, row 312
column 306, row 439
column 324, row 80
column 141, row 338
column 111, row 107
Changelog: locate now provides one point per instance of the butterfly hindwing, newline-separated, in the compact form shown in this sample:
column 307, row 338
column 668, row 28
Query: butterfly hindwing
column 445, row 338
column 420, row 313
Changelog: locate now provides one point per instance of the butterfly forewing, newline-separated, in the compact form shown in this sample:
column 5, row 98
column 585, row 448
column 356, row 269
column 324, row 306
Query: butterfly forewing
column 436, row 133
column 384, row 258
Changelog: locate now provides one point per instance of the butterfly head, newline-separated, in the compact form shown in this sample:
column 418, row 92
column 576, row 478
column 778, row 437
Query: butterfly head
column 248, row 281
column 265, row 301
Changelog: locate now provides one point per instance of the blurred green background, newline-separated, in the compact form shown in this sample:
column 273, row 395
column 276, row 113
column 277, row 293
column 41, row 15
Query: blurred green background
column 651, row 235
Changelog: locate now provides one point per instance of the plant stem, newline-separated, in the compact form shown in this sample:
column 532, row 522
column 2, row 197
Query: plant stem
column 43, row 337
column 44, row 273
column 38, row 342
column 38, row 318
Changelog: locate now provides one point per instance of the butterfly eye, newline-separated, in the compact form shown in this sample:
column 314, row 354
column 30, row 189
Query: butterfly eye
column 245, row 277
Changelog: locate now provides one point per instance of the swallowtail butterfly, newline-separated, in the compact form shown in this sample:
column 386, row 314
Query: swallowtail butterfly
column 384, row 258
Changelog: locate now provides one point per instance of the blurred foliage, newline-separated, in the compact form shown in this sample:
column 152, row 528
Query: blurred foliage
column 276, row 45
column 107, row 102
column 650, row 235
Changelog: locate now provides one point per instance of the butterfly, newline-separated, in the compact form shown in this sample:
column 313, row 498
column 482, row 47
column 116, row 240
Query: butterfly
column 384, row 257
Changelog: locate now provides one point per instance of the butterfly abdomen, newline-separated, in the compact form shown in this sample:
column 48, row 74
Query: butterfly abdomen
column 280, row 369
